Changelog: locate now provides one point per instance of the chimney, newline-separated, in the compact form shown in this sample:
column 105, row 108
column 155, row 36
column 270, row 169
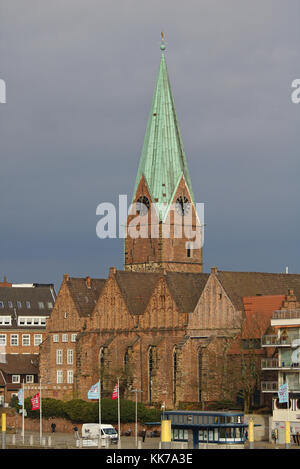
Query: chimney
column 112, row 271
column 66, row 277
column 88, row 282
column 214, row 270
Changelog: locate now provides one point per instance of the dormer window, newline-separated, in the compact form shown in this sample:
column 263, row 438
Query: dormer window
column 19, row 304
column 41, row 305
column 28, row 306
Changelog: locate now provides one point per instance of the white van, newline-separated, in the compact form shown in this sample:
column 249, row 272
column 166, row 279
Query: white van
column 92, row 430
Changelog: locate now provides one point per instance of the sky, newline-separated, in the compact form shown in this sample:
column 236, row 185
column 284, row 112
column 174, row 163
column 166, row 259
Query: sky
column 80, row 75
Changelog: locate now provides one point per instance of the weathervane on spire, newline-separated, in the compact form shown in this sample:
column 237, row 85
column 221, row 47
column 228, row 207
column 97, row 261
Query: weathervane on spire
column 162, row 44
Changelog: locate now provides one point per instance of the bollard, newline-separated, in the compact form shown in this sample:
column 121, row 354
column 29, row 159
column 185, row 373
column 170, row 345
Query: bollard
column 80, row 443
column 3, row 431
column 119, row 444
column 31, row 440
column 13, row 439
column 107, row 442
column 251, row 434
column 166, row 434
column 139, row 444
column 99, row 442
column 287, row 435
column 43, row 441
column 49, row 440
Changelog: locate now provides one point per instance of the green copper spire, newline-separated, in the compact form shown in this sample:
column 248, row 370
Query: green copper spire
column 163, row 161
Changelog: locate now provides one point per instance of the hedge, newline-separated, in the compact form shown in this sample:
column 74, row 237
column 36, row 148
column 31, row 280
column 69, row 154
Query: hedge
column 80, row 411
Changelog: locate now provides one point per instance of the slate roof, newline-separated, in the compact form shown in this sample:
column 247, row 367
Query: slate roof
column 186, row 289
column 137, row 288
column 20, row 296
column 241, row 284
column 85, row 297
column 20, row 364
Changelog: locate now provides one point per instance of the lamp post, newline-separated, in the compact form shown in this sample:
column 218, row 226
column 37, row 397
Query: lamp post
column 136, row 421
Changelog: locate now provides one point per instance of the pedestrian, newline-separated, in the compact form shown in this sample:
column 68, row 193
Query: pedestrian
column 53, row 427
column 144, row 434
column 246, row 435
column 76, row 434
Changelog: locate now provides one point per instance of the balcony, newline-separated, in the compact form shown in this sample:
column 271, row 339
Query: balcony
column 274, row 364
column 286, row 317
column 275, row 341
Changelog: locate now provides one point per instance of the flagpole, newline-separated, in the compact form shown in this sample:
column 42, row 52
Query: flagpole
column 41, row 432
column 100, row 412
column 119, row 423
column 23, row 419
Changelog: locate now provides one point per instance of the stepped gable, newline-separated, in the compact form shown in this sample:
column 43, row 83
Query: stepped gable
column 85, row 293
column 241, row 284
column 186, row 289
column 136, row 288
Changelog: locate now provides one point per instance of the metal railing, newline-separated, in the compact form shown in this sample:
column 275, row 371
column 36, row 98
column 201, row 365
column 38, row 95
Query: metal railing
column 286, row 314
column 275, row 341
column 273, row 363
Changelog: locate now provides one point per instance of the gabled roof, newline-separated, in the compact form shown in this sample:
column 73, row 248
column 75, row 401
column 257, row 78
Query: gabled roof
column 186, row 289
column 163, row 161
column 257, row 321
column 136, row 288
column 240, row 284
column 85, row 293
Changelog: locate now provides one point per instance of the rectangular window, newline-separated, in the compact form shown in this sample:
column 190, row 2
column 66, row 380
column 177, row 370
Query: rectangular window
column 19, row 304
column 28, row 305
column 37, row 339
column 29, row 379
column 15, row 378
column 14, row 340
column 73, row 337
column 50, row 305
column 70, row 376
column 10, row 304
column 2, row 339
column 41, row 305
column 1, row 304
column 70, row 357
column 59, row 376
column 55, row 337
column 65, row 338
column 59, row 357
column 25, row 340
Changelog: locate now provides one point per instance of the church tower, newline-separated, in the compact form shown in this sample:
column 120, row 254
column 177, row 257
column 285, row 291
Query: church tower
column 163, row 230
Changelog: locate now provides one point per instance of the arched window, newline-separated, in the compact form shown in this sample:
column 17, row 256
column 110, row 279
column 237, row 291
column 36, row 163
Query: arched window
column 126, row 360
column 200, row 375
column 150, row 372
column 174, row 375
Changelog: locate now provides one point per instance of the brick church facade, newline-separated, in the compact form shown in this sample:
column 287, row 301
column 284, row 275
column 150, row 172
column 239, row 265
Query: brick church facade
column 161, row 325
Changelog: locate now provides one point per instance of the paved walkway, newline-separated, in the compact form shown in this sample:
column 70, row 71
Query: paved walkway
column 67, row 441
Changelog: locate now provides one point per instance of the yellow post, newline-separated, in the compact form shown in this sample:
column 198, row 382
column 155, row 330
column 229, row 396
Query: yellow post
column 166, row 434
column 287, row 434
column 251, row 433
column 3, row 431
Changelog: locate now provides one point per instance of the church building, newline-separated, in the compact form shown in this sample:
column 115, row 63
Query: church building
column 161, row 325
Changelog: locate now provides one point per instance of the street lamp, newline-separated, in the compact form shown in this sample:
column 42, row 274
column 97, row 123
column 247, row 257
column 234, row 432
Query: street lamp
column 136, row 424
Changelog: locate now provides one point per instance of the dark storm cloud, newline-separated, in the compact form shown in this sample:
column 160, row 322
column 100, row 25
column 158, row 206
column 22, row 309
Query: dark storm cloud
column 80, row 77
